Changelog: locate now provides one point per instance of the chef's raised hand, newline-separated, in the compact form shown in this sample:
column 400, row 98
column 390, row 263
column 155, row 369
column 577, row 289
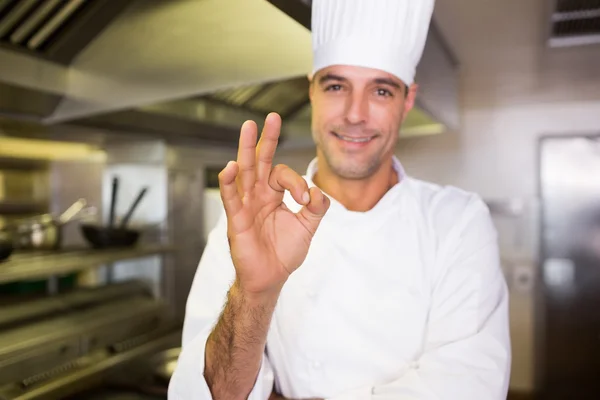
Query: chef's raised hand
column 268, row 242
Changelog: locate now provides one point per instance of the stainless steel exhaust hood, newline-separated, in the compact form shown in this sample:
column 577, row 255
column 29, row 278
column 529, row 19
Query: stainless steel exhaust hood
column 197, row 80
column 436, row 110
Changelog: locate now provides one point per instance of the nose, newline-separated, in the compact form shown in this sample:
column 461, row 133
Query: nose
column 357, row 108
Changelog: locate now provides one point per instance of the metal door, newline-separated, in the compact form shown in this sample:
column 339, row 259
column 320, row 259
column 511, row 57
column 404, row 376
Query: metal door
column 569, row 327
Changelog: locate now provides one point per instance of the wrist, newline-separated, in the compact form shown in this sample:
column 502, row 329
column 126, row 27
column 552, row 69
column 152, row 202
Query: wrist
column 258, row 297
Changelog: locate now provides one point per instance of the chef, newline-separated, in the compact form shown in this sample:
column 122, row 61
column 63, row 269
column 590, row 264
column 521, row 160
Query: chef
column 356, row 281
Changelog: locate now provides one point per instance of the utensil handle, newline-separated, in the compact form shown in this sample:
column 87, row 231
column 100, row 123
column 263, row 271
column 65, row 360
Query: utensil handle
column 113, row 201
column 133, row 207
column 72, row 211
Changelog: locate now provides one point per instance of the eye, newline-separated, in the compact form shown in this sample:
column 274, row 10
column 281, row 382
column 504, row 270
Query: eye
column 333, row 88
column 384, row 92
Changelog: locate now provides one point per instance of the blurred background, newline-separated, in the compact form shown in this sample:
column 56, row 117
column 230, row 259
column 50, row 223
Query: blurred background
column 121, row 113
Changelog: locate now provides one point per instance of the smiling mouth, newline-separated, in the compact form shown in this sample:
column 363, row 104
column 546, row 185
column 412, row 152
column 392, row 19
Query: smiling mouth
column 354, row 139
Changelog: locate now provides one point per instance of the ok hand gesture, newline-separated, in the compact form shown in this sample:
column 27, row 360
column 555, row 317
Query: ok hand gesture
column 268, row 242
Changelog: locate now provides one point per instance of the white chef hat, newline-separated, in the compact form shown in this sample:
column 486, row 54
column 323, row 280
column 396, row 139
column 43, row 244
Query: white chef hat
column 383, row 34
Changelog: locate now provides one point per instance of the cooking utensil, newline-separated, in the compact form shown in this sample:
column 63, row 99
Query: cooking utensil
column 41, row 232
column 133, row 207
column 72, row 211
column 45, row 231
column 113, row 202
column 101, row 237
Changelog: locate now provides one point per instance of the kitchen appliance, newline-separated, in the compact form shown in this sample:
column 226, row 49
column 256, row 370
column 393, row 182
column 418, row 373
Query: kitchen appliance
column 99, row 236
column 567, row 317
column 64, row 346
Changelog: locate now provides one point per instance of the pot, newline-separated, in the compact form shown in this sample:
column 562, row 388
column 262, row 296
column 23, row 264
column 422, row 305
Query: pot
column 165, row 362
column 6, row 246
column 44, row 232
column 39, row 232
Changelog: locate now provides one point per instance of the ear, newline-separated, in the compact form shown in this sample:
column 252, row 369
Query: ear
column 310, row 85
column 409, row 102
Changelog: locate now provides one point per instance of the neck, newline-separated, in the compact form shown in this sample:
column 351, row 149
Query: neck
column 356, row 194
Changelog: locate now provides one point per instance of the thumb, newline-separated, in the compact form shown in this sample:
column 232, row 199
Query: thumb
column 312, row 213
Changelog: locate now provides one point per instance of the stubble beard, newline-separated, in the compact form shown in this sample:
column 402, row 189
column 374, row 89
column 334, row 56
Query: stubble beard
column 347, row 165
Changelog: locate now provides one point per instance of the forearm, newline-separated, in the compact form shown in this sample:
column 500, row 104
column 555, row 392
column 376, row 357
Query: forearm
column 235, row 347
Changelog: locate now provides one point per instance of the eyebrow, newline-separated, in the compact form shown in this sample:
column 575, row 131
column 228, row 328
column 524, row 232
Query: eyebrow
column 380, row 81
column 387, row 81
column 331, row 77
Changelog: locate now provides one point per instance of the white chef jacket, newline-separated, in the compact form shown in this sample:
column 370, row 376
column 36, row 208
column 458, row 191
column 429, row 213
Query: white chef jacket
column 406, row 301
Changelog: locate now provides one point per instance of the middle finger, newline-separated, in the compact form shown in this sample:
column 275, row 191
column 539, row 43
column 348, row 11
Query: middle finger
column 246, row 157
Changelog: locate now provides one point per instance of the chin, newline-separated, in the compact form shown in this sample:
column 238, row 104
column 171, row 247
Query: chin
column 346, row 168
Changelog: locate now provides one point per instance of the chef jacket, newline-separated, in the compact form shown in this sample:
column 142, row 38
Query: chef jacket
column 406, row 301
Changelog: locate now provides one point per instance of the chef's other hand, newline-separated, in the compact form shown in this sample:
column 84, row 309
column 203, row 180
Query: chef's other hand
column 268, row 242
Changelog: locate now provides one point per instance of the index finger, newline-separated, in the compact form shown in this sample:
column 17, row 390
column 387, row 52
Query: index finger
column 284, row 178
column 267, row 145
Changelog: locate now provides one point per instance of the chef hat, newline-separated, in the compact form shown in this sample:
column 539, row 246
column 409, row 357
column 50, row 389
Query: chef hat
column 383, row 34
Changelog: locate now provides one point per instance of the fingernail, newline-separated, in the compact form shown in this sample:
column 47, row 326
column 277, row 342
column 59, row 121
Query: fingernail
column 306, row 198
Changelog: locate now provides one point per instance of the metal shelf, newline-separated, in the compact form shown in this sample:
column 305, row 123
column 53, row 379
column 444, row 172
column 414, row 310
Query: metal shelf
column 21, row 207
column 23, row 266
column 23, row 164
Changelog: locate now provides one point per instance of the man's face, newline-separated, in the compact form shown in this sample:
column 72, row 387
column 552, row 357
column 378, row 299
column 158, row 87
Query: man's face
column 356, row 117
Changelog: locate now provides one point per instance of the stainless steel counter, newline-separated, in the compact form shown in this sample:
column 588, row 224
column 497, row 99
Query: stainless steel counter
column 57, row 347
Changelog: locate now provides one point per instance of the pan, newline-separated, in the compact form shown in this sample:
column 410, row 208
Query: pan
column 99, row 236
column 44, row 232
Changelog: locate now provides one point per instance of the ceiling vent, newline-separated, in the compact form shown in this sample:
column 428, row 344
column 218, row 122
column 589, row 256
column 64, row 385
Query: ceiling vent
column 287, row 98
column 56, row 30
column 575, row 23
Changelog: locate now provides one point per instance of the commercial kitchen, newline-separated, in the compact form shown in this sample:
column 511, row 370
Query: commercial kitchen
column 117, row 116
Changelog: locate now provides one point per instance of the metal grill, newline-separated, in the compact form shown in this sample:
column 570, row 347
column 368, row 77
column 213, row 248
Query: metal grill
column 55, row 29
column 576, row 5
column 287, row 97
column 575, row 22
column 32, row 24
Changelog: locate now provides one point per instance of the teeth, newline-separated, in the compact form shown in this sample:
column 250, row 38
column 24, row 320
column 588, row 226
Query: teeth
column 354, row 140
